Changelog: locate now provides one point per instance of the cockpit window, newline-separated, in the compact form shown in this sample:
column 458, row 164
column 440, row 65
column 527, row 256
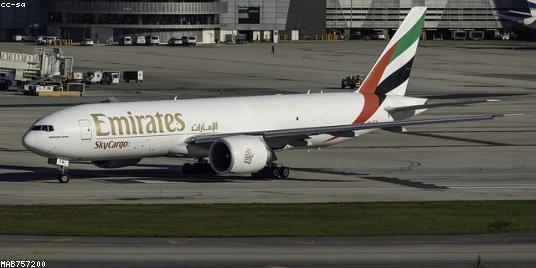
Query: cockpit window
column 47, row 128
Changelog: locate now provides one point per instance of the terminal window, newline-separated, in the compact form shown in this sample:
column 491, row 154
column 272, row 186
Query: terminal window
column 249, row 15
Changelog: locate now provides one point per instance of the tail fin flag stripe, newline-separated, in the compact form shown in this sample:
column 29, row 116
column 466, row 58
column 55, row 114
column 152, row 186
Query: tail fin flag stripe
column 397, row 58
column 372, row 80
column 371, row 104
column 395, row 79
column 409, row 38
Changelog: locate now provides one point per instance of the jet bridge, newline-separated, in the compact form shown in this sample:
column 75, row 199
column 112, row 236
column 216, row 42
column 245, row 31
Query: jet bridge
column 44, row 63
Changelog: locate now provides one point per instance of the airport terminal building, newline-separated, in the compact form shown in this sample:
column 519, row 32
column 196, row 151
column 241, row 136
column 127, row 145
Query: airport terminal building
column 260, row 20
column 445, row 19
column 208, row 20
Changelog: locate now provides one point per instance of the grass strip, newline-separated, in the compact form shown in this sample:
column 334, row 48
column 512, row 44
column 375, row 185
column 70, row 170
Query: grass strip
column 236, row 220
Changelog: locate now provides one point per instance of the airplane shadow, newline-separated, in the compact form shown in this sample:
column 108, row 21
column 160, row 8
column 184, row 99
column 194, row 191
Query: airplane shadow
column 149, row 172
column 18, row 173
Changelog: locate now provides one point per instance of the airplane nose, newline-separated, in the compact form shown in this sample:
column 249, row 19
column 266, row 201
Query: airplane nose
column 29, row 141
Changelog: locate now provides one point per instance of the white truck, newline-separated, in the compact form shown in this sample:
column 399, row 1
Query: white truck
column 126, row 41
column 189, row 41
column 93, row 77
column 110, row 77
column 45, row 40
column 154, row 40
column 140, row 40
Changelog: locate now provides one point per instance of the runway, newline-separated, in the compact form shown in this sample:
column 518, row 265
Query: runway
column 462, row 161
column 427, row 251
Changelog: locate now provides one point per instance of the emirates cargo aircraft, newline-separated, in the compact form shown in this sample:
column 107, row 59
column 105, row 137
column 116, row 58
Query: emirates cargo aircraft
column 239, row 135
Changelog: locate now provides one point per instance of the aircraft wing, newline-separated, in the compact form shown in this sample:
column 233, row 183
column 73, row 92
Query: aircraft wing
column 526, row 14
column 434, row 105
column 341, row 130
column 510, row 18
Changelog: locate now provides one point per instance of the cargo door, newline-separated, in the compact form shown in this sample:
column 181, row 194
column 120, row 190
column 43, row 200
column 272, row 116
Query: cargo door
column 85, row 129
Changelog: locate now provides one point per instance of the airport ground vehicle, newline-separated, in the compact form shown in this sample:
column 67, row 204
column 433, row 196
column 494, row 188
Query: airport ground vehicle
column 133, row 76
column 227, row 140
column 110, row 77
column 126, row 41
column 80, row 87
column 139, row 40
column 47, row 86
column 381, row 36
column 175, row 41
column 87, row 42
column 153, row 40
column 241, row 39
column 35, row 89
column 352, row 81
column 93, row 77
column 229, row 39
column 76, row 77
column 44, row 40
column 189, row 41
column 6, row 81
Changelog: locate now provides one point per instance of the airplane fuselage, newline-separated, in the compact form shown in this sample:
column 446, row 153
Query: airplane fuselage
column 107, row 131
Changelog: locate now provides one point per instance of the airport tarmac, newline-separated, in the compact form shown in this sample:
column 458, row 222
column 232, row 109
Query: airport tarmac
column 462, row 161
column 406, row 251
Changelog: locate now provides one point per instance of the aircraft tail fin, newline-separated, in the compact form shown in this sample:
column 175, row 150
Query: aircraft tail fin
column 532, row 7
column 390, row 73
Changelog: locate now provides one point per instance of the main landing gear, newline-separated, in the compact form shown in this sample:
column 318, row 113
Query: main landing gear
column 273, row 172
column 201, row 168
column 63, row 171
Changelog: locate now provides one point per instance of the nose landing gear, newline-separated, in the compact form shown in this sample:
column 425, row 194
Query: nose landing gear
column 63, row 175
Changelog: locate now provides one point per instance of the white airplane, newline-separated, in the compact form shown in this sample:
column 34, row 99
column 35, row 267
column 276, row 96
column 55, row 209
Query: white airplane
column 239, row 135
column 527, row 19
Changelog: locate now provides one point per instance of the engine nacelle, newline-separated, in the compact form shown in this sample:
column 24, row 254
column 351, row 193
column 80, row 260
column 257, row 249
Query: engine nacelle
column 239, row 154
column 116, row 163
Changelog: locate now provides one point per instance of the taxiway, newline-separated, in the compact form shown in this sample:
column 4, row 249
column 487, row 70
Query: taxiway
column 463, row 161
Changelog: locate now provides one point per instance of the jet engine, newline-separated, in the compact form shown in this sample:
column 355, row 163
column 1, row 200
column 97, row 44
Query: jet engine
column 116, row 163
column 239, row 154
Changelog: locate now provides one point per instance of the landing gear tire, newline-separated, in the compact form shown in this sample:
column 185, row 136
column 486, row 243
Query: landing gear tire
column 207, row 169
column 187, row 168
column 284, row 172
column 63, row 178
column 273, row 172
column 197, row 168
column 63, row 175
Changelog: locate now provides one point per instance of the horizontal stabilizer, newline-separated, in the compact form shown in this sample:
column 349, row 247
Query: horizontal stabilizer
column 434, row 105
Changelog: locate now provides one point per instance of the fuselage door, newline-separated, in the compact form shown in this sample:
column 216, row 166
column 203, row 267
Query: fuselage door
column 85, row 129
